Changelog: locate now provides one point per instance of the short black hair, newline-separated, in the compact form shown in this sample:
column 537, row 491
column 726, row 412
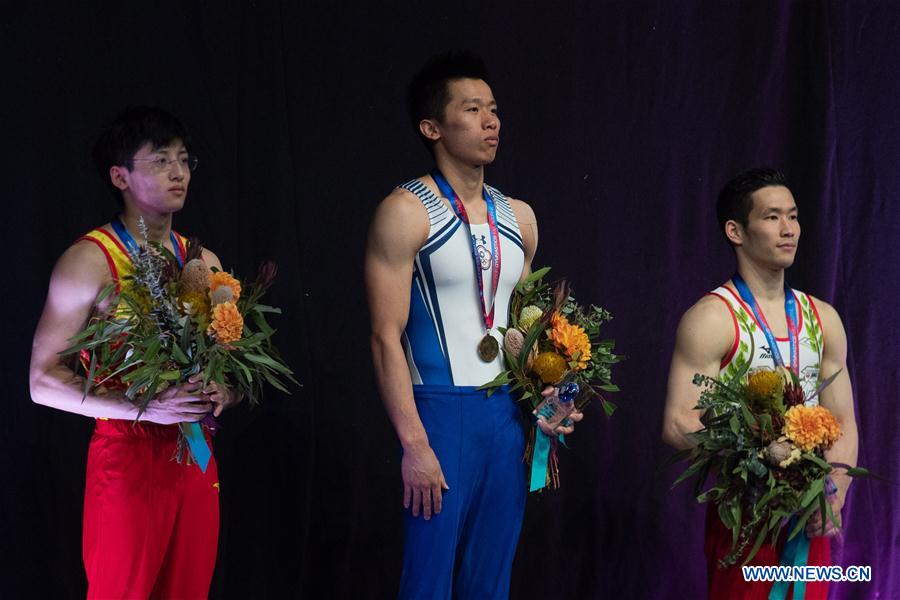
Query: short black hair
column 132, row 128
column 736, row 198
column 428, row 94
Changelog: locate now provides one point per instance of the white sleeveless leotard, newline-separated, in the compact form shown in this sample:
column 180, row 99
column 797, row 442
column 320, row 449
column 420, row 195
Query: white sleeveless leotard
column 750, row 344
column 445, row 320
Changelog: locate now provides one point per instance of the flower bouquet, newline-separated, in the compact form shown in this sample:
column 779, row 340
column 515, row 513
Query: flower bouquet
column 553, row 342
column 172, row 322
column 764, row 443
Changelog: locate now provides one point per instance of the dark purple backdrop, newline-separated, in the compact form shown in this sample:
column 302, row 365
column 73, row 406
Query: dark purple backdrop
column 621, row 120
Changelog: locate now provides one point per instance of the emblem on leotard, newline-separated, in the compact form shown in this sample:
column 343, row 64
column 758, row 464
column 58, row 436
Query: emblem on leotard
column 484, row 255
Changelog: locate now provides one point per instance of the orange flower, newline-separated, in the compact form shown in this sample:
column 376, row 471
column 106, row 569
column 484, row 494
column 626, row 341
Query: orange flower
column 222, row 278
column 571, row 339
column 227, row 324
column 810, row 427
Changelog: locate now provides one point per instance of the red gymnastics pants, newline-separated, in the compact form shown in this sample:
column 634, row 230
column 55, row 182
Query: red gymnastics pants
column 151, row 525
column 729, row 584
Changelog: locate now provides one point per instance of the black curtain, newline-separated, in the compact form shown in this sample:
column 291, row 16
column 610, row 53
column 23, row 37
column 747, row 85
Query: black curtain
column 621, row 120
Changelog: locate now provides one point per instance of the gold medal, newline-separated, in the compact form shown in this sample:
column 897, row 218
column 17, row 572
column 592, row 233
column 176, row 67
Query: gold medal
column 488, row 348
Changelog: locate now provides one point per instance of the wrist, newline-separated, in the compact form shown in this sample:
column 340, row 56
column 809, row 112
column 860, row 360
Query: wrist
column 414, row 442
column 129, row 410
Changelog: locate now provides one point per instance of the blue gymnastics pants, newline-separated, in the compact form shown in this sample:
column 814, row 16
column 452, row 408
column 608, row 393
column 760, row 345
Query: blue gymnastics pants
column 466, row 552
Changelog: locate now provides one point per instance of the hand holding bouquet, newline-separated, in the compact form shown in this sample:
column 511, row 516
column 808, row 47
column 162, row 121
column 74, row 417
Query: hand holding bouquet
column 556, row 362
column 764, row 443
column 171, row 323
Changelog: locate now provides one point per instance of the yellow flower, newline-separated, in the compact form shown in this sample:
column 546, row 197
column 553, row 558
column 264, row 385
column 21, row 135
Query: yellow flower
column 763, row 383
column 571, row 339
column 765, row 388
column 529, row 316
column 222, row 278
column 550, row 367
column 194, row 303
column 810, row 427
column 227, row 323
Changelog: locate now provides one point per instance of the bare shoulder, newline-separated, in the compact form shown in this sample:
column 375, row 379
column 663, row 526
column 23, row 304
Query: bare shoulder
column 707, row 327
column 523, row 212
column 210, row 258
column 400, row 220
column 528, row 227
column 84, row 261
column 710, row 311
column 832, row 326
column 78, row 277
column 403, row 205
column 827, row 312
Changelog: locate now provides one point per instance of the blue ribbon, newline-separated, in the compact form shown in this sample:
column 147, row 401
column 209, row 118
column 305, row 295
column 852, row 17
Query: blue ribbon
column 541, row 454
column 543, row 442
column 790, row 310
column 132, row 245
column 539, row 460
column 200, row 451
column 794, row 554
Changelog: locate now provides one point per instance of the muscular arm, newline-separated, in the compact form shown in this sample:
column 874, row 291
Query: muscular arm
column 398, row 230
column 79, row 276
column 838, row 398
column 528, row 228
column 703, row 339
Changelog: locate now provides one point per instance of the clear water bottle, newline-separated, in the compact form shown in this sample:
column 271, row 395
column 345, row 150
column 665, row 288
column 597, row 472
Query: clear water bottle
column 558, row 405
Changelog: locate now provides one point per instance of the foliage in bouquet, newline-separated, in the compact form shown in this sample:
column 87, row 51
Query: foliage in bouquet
column 764, row 448
column 553, row 341
column 173, row 322
column 552, row 337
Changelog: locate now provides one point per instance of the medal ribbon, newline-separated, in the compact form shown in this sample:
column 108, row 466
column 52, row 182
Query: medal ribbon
column 132, row 245
column 460, row 210
column 790, row 311
column 192, row 432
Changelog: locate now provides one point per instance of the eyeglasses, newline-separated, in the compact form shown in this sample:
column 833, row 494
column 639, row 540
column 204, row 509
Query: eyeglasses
column 161, row 163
